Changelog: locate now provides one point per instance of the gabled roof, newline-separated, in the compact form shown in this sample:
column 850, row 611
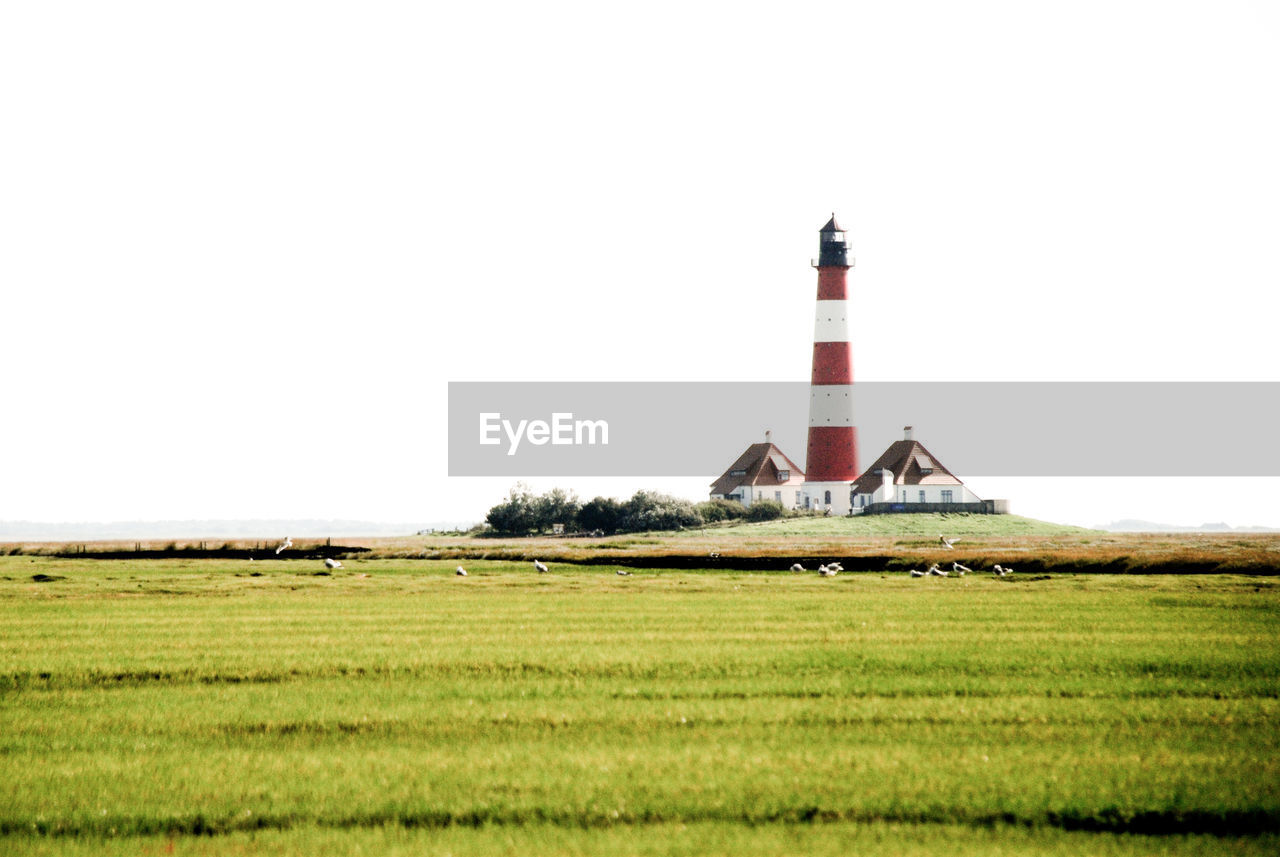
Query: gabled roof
column 910, row 463
column 759, row 465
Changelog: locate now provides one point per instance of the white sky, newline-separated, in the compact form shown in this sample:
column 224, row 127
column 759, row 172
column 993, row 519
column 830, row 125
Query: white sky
column 245, row 245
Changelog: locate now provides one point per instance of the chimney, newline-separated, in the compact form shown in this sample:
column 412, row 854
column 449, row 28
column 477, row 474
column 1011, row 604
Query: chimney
column 768, row 436
column 906, row 430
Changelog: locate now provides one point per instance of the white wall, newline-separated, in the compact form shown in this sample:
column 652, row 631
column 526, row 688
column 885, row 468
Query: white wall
column 932, row 494
column 791, row 496
column 816, row 492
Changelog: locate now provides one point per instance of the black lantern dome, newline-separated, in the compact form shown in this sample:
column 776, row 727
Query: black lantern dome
column 833, row 249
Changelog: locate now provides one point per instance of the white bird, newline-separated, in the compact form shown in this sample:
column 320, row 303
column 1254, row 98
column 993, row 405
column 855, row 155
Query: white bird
column 946, row 542
column 955, row 566
column 287, row 543
column 714, row 555
column 835, row 566
column 330, row 562
column 460, row 571
column 542, row 569
column 623, row 573
column 937, row 572
column 826, row 571
column 1001, row 572
column 915, row 572
column 797, row 567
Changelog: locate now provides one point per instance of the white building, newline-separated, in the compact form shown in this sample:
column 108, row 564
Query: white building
column 907, row 474
column 763, row 472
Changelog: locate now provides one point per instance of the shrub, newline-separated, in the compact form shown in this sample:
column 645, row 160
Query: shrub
column 523, row 513
column 647, row 510
column 601, row 513
column 555, row 507
column 516, row 515
column 713, row 511
column 765, row 510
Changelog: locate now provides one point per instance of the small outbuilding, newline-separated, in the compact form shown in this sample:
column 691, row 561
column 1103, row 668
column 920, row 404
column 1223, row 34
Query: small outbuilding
column 763, row 472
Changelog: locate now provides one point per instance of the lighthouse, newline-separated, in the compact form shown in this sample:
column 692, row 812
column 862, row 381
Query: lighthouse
column 832, row 463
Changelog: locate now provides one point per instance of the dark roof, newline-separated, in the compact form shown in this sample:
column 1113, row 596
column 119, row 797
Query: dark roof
column 760, row 465
column 910, row 463
column 831, row 226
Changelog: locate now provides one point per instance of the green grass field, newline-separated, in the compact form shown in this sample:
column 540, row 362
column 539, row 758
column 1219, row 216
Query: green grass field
column 219, row 706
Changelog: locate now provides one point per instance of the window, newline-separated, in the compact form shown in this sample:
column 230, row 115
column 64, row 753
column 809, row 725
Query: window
column 921, row 495
column 946, row 495
column 777, row 495
column 784, row 475
column 737, row 473
column 827, row 499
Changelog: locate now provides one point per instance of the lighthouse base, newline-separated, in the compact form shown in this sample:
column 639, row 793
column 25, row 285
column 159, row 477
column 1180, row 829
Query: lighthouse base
column 830, row 497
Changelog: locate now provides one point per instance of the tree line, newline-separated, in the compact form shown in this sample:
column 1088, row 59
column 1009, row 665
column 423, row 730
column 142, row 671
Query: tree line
column 524, row 513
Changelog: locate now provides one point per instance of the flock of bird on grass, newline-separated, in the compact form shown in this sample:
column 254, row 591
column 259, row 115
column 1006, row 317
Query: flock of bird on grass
column 830, row 569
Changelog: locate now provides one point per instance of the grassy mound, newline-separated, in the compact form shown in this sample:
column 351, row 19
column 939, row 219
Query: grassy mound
column 927, row 525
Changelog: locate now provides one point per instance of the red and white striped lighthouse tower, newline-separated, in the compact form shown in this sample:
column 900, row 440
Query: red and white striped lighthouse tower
column 833, row 441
